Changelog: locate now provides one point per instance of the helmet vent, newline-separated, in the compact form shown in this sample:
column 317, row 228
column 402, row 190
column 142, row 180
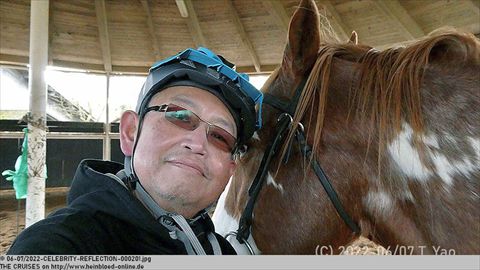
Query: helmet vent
column 213, row 73
column 188, row 63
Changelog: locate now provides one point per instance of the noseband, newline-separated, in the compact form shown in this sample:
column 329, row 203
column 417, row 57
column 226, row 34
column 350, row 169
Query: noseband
column 283, row 124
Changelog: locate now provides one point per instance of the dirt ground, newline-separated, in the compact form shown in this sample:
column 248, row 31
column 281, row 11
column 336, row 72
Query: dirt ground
column 12, row 214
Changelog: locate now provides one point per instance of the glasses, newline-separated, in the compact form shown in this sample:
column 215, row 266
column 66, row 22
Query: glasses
column 188, row 120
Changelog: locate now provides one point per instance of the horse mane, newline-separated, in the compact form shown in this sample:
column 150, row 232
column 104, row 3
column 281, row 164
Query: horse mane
column 388, row 86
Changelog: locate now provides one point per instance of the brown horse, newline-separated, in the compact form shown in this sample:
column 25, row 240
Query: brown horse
column 397, row 132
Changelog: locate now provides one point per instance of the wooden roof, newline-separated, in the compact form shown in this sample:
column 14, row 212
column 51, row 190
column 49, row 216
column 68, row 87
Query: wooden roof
column 129, row 35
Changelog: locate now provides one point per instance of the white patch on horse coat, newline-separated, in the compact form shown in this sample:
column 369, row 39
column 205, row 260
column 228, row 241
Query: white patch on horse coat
column 446, row 169
column 271, row 181
column 476, row 148
column 408, row 196
column 225, row 223
column 407, row 157
column 379, row 203
column 408, row 160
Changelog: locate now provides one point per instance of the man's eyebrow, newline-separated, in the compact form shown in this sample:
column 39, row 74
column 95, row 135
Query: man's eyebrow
column 186, row 100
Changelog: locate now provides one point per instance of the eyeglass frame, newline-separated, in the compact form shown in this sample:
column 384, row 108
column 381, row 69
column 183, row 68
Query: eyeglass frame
column 163, row 108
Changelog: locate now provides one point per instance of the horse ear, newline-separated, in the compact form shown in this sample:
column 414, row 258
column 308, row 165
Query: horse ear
column 353, row 38
column 303, row 38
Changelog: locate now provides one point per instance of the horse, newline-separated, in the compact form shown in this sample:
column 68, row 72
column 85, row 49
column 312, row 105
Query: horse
column 397, row 132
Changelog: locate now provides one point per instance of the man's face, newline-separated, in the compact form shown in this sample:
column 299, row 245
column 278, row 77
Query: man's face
column 179, row 168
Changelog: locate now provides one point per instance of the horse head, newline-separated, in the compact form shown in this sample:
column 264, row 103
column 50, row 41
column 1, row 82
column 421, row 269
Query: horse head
column 396, row 132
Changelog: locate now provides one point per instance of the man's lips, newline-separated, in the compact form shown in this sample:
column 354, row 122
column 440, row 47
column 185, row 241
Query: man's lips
column 188, row 165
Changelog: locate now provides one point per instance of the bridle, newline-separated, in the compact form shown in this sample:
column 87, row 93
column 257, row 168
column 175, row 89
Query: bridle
column 284, row 122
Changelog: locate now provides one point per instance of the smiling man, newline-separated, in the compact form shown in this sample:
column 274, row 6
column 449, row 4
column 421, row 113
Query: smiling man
column 193, row 116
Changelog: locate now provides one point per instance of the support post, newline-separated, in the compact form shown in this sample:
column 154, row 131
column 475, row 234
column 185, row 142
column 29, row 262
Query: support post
column 107, row 140
column 37, row 124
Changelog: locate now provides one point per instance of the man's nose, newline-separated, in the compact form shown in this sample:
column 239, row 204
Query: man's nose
column 197, row 140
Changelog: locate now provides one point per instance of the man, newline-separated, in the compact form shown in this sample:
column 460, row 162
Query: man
column 193, row 116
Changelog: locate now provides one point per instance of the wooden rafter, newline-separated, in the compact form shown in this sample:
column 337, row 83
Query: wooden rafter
column 103, row 34
column 22, row 62
column 151, row 29
column 13, row 59
column 406, row 24
column 243, row 34
column 341, row 29
column 194, row 25
column 182, row 8
column 276, row 9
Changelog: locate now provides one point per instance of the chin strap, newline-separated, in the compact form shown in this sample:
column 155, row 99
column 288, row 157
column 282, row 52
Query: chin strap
column 179, row 228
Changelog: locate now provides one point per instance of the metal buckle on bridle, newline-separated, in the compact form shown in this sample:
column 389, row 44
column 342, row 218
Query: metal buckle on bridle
column 249, row 247
column 283, row 115
column 299, row 126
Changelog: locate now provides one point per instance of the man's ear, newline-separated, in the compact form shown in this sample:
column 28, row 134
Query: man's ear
column 128, row 131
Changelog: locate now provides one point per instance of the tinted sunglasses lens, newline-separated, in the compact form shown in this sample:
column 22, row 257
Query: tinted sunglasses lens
column 221, row 138
column 188, row 120
column 182, row 117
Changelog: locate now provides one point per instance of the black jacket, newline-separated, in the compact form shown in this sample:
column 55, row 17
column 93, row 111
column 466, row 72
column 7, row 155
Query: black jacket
column 103, row 217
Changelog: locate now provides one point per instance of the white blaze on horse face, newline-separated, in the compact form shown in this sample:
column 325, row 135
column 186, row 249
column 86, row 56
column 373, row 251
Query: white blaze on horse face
column 271, row 181
column 225, row 223
column 408, row 160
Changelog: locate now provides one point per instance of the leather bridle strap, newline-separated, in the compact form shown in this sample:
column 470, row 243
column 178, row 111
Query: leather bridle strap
column 322, row 177
column 245, row 222
column 283, row 123
column 276, row 103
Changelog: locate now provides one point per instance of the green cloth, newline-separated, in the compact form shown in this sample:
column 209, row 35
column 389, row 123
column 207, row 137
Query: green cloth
column 20, row 175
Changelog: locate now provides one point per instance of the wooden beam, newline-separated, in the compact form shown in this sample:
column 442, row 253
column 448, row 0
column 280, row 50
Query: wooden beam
column 340, row 28
column 406, row 24
column 98, row 68
column 276, row 9
column 22, row 62
column 13, row 59
column 151, row 30
column 14, row 66
column 80, row 66
column 182, row 8
column 243, row 34
column 134, row 70
column 266, row 69
column 194, row 25
column 143, row 70
column 103, row 34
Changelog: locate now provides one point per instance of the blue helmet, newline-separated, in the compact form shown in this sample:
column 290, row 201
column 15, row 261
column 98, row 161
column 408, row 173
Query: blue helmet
column 203, row 69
